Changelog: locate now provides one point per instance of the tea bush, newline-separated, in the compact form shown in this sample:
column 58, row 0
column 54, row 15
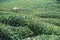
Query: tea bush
column 58, row 1
column 3, row 36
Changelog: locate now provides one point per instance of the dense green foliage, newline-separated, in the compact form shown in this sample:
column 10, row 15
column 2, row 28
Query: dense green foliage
column 44, row 37
column 35, row 20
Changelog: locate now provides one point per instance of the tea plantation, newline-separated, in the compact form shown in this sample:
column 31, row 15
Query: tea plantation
column 35, row 20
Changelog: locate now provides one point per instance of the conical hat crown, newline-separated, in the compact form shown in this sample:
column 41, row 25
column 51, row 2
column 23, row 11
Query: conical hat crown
column 15, row 7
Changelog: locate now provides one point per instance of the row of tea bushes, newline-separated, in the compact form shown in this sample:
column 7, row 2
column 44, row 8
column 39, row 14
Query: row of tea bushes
column 12, row 33
column 13, row 20
column 44, row 28
column 49, row 15
column 54, row 21
column 44, row 37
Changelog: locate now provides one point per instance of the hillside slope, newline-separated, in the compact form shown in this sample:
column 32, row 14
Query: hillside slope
column 36, row 20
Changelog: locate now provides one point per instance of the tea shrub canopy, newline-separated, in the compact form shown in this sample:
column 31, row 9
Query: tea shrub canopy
column 35, row 20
